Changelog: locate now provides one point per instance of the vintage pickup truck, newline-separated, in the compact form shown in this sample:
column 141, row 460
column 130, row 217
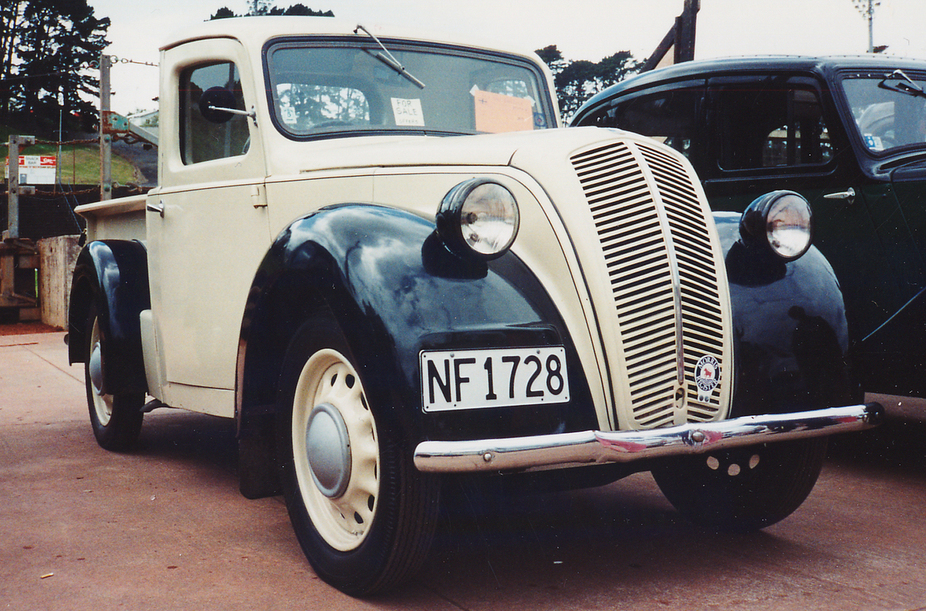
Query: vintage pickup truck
column 377, row 252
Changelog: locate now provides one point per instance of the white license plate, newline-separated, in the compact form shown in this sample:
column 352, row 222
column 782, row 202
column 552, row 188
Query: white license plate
column 495, row 377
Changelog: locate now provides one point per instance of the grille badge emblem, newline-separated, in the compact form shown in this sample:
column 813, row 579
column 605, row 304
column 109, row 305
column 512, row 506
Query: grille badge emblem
column 707, row 376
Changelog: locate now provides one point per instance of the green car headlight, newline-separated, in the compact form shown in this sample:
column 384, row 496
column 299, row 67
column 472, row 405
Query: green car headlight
column 781, row 221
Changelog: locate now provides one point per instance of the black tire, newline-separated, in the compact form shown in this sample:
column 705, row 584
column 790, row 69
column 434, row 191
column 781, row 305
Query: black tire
column 743, row 489
column 365, row 518
column 116, row 419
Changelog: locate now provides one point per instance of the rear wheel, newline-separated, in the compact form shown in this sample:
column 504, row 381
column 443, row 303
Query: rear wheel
column 363, row 515
column 743, row 489
column 116, row 418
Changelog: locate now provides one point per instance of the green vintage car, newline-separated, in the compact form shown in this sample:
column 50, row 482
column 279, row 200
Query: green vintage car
column 849, row 134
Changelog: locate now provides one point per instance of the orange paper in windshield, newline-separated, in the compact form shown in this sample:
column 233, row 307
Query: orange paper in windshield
column 497, row 113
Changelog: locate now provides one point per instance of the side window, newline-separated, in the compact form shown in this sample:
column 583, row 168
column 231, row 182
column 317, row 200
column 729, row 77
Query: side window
column 203, row 136
column 668, row 116
column 770, row 124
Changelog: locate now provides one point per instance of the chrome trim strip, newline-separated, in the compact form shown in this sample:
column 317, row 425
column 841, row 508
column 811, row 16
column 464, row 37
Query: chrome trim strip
column 590, row 447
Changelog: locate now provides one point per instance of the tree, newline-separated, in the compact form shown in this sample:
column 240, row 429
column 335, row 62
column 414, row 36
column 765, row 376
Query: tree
column 223, row 13
column 46, row 47
column 12, row 24
column 577, row 81
column 263, row 7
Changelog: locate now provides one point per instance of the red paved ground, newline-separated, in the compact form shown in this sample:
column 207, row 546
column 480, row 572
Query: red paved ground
column 25, row 328
column 163, row 528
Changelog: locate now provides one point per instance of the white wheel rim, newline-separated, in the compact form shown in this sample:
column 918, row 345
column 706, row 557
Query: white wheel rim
column 102, row 404
column 343, row 521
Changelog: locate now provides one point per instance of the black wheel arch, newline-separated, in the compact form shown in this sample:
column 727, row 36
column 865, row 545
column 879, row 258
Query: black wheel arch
column 790, row 331
column 113, row 275
column 393, row 292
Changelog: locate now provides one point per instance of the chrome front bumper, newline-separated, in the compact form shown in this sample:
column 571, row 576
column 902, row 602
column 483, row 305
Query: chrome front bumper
column 590, row 447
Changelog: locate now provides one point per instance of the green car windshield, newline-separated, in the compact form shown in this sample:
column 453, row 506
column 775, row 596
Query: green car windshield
column 359, row 86
column 889, row 111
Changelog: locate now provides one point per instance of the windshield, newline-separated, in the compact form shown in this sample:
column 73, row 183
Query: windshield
column 320, row 89
column 885, row 116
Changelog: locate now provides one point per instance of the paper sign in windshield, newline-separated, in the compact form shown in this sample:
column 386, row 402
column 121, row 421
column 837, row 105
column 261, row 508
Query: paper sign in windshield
column 496, row 113
column 407, row 112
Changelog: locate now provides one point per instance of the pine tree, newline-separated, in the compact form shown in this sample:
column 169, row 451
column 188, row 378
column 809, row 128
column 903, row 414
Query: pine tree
column 264, row 7
column 47, row 49
column 577, row 81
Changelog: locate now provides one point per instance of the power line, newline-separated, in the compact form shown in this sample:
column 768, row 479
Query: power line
column 124, row 60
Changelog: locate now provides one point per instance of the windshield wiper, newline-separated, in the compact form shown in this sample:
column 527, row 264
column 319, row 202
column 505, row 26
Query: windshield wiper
column 389, row 59
column 901, row 83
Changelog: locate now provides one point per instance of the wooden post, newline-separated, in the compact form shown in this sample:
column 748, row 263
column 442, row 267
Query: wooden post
column 679, row 41
column 685, row 28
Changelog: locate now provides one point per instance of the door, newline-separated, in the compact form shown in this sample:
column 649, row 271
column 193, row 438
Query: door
column 207, row 223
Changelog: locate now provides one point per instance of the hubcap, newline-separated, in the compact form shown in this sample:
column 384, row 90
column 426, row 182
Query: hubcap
column 102, row 403
column 327, row 448
column 96, row 369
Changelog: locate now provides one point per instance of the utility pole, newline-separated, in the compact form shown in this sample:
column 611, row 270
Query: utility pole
column 867, row 9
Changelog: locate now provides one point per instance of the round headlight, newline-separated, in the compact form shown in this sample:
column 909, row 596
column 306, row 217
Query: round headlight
column 788, row 226
column 479, row 216
column 782, row 220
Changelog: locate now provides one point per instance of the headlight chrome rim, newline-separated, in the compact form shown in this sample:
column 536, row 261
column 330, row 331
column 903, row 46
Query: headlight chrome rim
column 479, row 217
column 781, row 221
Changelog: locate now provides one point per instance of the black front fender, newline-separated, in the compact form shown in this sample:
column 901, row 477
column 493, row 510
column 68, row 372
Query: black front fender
column 113, row 276
column 395, row 290
column 790, row 331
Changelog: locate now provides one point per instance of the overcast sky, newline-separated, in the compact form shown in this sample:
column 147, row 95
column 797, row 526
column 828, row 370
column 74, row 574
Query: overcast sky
column 582, row 29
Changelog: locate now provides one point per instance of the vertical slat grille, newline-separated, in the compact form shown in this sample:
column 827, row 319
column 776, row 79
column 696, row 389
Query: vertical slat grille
column 700, row 293
column 658, row 254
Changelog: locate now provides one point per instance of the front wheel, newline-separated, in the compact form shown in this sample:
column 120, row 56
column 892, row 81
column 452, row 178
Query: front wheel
column 363, row 515
column 743, row 489
column 116, row 418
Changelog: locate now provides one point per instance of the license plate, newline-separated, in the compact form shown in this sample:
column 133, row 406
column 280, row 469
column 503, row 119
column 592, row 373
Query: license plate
column 494, row 377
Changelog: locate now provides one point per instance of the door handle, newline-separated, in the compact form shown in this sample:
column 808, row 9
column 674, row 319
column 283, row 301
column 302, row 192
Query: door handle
column 847, row 196
column 159, row 208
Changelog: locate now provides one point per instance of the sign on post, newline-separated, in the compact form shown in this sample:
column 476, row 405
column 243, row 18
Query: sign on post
column 35, row 169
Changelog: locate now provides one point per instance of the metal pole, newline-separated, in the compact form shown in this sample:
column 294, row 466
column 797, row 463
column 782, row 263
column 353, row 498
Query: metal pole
column 11, row 235
column 106, row 143
column 60, row 138
column 7, row 256
column 12, row 190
